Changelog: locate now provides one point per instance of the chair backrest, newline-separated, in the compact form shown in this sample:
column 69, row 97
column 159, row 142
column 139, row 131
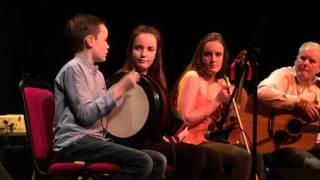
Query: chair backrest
column 39, row 114
column 39, row 106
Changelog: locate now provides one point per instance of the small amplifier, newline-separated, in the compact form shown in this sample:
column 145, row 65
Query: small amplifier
column 12, row 123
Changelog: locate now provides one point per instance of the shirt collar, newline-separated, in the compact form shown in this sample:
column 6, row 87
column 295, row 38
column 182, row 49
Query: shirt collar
column 93, row 68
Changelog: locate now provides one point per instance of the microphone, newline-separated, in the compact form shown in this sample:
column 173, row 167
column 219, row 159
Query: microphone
column 209, row 135
column 218, row 136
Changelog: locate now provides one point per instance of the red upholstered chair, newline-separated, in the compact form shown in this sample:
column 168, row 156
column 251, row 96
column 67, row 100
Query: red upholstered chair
column 39, row 114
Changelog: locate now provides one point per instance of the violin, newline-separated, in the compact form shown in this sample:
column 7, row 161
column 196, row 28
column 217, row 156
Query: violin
column 225, row 126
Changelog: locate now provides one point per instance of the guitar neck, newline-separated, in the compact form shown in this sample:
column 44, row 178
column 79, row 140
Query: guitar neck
column 311, row 128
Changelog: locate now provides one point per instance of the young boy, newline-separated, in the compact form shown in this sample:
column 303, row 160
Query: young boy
column 82, row 103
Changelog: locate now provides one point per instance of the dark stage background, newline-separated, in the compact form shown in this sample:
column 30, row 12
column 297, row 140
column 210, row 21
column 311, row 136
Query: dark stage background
column 34, row 41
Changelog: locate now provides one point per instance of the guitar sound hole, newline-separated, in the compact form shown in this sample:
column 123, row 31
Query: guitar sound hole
column 283, row 138
column 294, row 127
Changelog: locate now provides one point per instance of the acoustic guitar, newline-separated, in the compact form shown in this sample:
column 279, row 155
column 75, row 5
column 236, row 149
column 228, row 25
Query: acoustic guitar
column 277, row 130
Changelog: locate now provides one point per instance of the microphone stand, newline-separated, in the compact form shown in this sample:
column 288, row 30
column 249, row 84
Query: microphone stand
column 225, row 113
column 255, row 73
